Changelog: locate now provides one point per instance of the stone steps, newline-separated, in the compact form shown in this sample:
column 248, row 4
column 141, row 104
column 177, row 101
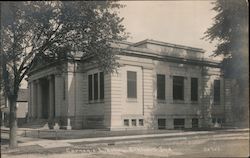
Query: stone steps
column 35, row 124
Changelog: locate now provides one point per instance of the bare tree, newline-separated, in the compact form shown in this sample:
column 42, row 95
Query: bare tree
column 55, row 30
column 230, row 28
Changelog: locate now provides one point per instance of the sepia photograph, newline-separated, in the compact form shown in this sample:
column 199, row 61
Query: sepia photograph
column 127, row 79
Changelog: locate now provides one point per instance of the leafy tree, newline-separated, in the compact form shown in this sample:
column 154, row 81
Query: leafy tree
column 36, row 30
column 230, row 28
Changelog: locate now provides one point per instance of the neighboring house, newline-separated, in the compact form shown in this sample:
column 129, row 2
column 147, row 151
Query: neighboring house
column 22, row 107
column 158, row 85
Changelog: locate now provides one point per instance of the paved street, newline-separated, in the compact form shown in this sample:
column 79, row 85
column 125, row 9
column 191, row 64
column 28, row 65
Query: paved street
column 234, row 144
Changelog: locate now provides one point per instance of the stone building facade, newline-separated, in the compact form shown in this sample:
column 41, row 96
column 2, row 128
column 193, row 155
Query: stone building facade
column 158, row 85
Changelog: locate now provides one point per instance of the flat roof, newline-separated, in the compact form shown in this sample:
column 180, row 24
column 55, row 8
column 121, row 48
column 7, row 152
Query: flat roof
column 168, row 45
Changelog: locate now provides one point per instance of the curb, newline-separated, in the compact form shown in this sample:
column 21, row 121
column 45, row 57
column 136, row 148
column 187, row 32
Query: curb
column 112, row 140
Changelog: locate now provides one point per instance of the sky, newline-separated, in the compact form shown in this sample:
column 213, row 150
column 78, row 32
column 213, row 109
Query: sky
column 178, row 22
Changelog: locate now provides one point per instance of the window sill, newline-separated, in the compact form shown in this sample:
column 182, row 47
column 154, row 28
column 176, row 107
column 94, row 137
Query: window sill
column 178, row 102
column 194, row 102
column 216, row 104
column 133, row 127
column 96, row 101
column 133, row 100
column 161, row 101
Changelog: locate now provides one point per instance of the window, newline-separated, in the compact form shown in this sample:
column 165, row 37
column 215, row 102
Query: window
column 126, row 122
column 141, row 122
column 194, row 89
column 161, row 123
column 179, row 123
column 216, row 91
column 90, row 87
column 160, row 87
column 178, row 88
column 101, row 85
column 96, row 85
column 131, row 84
column 133, row 122
column 195, row 123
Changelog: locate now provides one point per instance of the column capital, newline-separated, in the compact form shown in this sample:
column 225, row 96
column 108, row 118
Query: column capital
column 49, row 77
column 37, row 81
column 58, row 74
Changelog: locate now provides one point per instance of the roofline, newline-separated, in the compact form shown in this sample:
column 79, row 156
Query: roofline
column 142, row 53
column 169, row 45
column 146, row 54
column 124, row 42
column 30, row 72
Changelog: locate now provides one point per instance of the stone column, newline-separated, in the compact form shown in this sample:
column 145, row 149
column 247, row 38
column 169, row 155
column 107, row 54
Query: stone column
column 39, row 99
column 34, row 99
column 29, row 100
column 51, row 97
column 58, row 95
column 3, row 119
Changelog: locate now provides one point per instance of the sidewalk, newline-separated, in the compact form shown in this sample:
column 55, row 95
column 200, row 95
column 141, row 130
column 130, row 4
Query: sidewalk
column 45, row 143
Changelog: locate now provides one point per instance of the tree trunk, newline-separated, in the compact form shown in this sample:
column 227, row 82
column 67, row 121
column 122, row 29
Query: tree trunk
column 13, row 123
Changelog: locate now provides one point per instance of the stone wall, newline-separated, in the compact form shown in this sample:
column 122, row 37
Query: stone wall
column 71, row 90
column 147, row 107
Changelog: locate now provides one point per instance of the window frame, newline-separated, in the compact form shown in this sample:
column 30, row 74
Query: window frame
column 129, row 82
column 101, row 85
column 178, row 98
column 194, row 90
column 96, row 86
column 195, row 123
column 141, row 122
column 94, row 90
column 217, row 92
column 133, row 122
column 162, row 95
column 161, row 123
column 90, row 87
column 177, row 123
column 126, row 121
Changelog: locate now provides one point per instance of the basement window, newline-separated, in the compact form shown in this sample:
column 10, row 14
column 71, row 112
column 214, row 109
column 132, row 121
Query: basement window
column 179, row 123
column 133, row 122
column 161, row 123
column 141, row 122
column 195, row 123
column 126, row 122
